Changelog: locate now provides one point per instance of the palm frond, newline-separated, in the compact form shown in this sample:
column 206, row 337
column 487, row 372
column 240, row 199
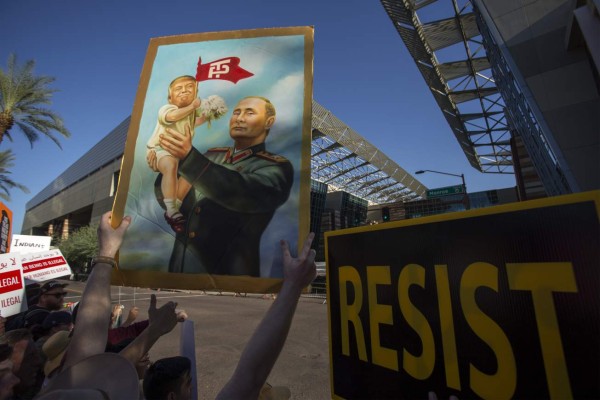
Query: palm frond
column 6, row 183
column 21, row 95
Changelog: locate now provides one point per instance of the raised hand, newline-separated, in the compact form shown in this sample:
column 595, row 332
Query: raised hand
column 132, row 316
column 300, row 271
column 109, row 238
column 164, row 318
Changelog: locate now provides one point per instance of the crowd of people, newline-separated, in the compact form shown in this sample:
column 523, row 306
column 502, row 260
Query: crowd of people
column 52, row 352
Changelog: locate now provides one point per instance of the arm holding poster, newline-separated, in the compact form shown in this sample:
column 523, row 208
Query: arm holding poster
column 89, row 337
column 262, row 350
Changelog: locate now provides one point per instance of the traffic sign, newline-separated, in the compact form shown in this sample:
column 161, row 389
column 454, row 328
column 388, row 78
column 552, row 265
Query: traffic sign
column 445, row 191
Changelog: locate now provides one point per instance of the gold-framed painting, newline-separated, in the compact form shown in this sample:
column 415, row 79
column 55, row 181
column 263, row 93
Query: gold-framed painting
column 216, row 169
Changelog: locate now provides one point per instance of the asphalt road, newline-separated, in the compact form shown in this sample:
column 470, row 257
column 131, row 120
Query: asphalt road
column 222, row 326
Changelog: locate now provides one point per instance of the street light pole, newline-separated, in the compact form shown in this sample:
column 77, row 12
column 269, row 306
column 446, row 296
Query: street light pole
column 461, row 176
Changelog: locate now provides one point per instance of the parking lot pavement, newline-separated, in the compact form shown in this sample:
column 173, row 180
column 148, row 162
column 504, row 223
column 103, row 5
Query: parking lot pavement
column 224, row 323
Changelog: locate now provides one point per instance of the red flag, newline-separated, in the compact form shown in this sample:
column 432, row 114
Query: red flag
column 226, row 69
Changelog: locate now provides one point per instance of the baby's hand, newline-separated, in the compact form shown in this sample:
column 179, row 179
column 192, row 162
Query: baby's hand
column 196, row 103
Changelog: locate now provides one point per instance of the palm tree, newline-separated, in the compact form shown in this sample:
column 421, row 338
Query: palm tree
column 6, row 162
column 21, row 96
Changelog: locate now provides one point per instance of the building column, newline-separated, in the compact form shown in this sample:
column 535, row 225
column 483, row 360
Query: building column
column 65, row 229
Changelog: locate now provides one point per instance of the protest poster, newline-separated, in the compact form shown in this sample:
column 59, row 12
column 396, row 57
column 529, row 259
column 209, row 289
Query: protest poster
column 12, row 286
column 497, row 302
column 44, row 265
column 5, row 228
column 216, row 169
column 29, row 243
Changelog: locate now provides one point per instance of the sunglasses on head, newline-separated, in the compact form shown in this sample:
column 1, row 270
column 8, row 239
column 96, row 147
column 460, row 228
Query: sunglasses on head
column 57, row 295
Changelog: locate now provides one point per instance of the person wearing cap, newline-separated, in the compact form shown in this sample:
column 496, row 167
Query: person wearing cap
column 8, row 380
column 87, row 372
column 52, row 294
column 54, row 322
column 32, row 294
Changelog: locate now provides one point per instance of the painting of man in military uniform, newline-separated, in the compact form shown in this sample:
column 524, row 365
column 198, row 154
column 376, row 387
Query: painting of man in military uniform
column 239, row 189
column 246, row 174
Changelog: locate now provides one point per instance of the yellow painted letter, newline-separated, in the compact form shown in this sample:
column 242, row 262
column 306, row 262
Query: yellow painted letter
column 502, row 384
column 419, row 367
column 349, row 312
column 542, row 279
column 380, row 314
column 447, row 327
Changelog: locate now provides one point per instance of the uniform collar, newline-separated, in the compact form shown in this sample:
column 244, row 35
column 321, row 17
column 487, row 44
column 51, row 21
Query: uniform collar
column 233, row 158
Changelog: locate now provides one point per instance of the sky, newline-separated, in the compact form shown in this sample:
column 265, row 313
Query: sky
column 363, row 74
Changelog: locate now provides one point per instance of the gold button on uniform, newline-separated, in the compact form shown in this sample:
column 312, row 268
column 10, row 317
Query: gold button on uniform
column 197, row 210
column 192, row 235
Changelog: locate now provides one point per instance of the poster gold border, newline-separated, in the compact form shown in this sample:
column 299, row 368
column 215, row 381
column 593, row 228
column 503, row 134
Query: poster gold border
column 207, row 282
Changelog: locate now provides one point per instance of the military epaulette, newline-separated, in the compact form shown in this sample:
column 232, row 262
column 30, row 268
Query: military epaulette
column 219, row 149
column 271, row 157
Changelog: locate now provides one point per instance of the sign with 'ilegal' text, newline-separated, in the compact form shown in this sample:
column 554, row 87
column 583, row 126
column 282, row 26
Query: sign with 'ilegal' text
column 12, row 286
column 499, row 302
column 44, row 265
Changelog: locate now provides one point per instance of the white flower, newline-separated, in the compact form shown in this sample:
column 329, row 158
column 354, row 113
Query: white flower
column 213, row 108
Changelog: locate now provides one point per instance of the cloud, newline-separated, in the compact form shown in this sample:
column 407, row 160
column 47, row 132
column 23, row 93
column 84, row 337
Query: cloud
column 287, row 96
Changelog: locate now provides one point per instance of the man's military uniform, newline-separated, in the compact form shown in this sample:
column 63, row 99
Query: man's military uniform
column 235, row 197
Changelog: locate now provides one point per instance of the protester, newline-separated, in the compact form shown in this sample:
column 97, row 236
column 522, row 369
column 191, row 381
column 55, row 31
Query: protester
column 8, row 379
column 52, row 294
column 91, row 327
column 85, row 365
column 85, row 361
column 117, row 335
column 46, row 298
column 58, row 321
column 26, row 363
column 268, row 339
column 169, row 378
column 55, row 321
column 162, row 321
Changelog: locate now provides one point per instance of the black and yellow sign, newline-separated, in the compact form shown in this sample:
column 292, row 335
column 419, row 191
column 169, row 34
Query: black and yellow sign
column 496, row 303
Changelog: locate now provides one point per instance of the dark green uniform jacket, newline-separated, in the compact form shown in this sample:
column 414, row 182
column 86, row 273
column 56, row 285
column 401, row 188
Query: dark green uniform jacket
column 234, row 200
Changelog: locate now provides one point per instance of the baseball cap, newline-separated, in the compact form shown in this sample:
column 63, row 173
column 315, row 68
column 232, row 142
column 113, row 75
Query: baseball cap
column 53, row 284
column 35, row 317
column 57, row 318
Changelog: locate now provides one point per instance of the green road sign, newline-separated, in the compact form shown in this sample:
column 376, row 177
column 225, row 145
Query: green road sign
column 445, row 191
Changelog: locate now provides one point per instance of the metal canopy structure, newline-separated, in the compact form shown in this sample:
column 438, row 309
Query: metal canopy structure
column 446, row 45
column 344, row 160
column 340, row 157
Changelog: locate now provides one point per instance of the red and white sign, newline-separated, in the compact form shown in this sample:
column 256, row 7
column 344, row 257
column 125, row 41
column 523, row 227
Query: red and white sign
column 12, row 286
column 44, row 265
